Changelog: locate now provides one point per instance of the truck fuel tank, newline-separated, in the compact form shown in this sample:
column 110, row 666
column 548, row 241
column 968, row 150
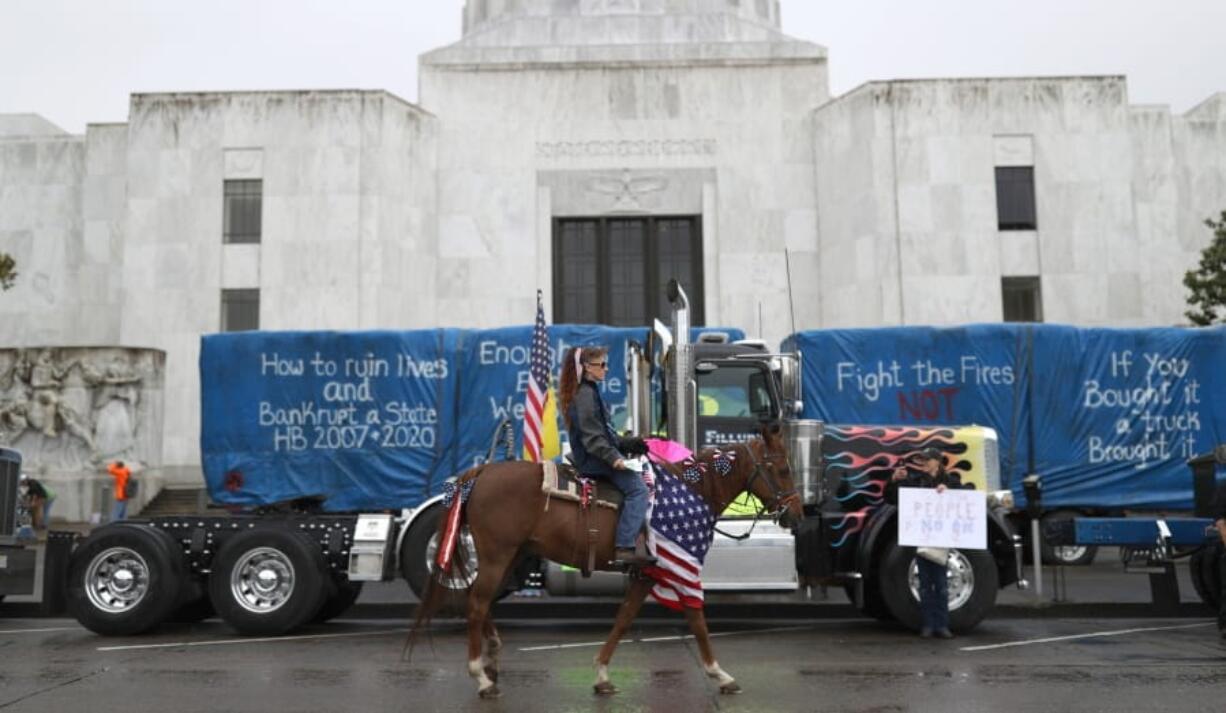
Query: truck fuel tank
column 804, row 439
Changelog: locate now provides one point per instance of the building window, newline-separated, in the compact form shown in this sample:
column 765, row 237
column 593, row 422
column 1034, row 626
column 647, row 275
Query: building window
column 1015, row 198
column 616, row 270
column 240, row 310
column 243, row 204
column 1022, row 298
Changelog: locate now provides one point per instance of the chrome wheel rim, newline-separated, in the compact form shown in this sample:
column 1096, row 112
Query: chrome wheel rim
column 117, row 580
column 262, row 580
column 1069, row 553
column 960, row 576
column 460, row 577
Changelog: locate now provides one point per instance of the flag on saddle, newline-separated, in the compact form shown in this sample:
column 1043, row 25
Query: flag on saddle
column 680, row 530
column 541, row 440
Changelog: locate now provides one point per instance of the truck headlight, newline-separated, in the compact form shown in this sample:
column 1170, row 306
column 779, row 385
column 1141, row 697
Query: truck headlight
column 1000, row 499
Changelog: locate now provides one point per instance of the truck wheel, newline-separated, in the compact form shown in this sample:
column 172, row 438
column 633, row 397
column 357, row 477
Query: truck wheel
column 124, row 579
column 267, row 582
column 1065, row 555
column 973, row 582
column 1203, row 567
column 420, row 547
column 339, row 600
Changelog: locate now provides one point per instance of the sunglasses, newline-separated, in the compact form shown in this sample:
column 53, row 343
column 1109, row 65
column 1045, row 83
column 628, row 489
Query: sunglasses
column 599, row 364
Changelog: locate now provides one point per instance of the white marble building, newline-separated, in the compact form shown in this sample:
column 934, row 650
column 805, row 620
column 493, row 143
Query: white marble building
column 612, row 139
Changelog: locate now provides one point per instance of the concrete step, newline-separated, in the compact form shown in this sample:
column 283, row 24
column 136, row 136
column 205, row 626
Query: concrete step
column 176, row 501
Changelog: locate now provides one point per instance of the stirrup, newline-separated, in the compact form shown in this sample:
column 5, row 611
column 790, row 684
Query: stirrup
column 627, row 558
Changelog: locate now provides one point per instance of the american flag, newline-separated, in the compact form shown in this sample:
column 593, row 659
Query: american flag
column 680, row 533
column 538, row 395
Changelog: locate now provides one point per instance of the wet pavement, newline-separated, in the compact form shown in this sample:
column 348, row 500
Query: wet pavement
column 838, row 664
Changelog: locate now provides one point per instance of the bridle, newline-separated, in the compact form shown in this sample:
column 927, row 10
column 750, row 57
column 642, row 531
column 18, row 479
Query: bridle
column 765, row 468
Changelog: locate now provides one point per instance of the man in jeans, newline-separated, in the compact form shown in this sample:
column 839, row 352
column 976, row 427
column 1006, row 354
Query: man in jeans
column 121, row 474
column 41, row 498
column 1219, row 521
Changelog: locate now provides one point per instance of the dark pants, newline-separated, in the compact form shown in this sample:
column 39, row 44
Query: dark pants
column 1221, row 604
column 934, row 594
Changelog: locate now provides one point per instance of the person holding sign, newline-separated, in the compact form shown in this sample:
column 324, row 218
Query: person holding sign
column 927, row 470
column 1219, row 523
column 596, row 449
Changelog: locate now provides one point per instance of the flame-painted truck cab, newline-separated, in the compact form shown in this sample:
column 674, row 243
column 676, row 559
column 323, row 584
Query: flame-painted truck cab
column 715, row 393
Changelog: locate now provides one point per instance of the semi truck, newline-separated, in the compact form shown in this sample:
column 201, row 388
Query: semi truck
column 716, row 392
column 327, row 454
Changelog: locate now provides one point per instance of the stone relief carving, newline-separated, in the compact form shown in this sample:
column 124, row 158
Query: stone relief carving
column 79, row 407
column 627, row 189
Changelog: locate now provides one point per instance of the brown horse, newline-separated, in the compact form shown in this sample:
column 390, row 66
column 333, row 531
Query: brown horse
column 509, row 517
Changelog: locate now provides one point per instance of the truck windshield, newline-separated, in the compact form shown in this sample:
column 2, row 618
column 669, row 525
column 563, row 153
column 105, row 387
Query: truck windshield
column 733, row 392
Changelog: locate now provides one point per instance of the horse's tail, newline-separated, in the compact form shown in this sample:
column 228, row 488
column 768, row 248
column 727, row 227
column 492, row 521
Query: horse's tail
column 438, row 595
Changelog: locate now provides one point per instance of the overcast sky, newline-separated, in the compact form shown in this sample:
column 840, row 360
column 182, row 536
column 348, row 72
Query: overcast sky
column 76, row 61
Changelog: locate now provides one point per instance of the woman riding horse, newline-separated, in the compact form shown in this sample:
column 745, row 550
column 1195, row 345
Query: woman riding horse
column 509, row 517
column 596, row 449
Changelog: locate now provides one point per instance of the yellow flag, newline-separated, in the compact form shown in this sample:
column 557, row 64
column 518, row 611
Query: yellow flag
column 551, row 444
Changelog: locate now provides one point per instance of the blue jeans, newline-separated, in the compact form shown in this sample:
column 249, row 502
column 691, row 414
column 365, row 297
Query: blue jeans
column 120, row 512
column 47, row 512
column 934, row 594
column 634, row 509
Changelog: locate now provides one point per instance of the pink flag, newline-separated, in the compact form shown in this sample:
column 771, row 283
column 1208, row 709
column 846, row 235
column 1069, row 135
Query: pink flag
column 667, row 451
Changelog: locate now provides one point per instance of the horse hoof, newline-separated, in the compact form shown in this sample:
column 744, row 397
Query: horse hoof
column 730, row 689
column 489, row 692
column 604, row 688
column 491, row 673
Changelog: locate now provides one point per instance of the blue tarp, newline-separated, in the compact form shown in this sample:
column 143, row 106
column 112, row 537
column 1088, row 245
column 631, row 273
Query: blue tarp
column 1108, row 417
column 361, row 417
column 371, row 420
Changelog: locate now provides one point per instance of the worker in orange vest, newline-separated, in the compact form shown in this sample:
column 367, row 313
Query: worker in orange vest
column 121, row 474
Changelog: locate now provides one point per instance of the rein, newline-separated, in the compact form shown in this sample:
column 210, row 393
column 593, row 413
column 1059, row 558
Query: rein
column 781, row 498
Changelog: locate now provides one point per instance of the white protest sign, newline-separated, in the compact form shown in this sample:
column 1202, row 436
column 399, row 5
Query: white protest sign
column 954, row 518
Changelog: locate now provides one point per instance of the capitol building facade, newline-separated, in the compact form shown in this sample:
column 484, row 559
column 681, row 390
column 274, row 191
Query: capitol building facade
column 594, row 149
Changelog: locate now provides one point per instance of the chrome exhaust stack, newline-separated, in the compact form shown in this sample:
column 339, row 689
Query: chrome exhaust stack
column 682, row 391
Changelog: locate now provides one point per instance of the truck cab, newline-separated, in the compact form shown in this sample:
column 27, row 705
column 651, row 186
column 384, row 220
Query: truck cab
column 716, row 392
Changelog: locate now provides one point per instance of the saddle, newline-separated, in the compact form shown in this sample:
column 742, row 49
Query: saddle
column 565, row 482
